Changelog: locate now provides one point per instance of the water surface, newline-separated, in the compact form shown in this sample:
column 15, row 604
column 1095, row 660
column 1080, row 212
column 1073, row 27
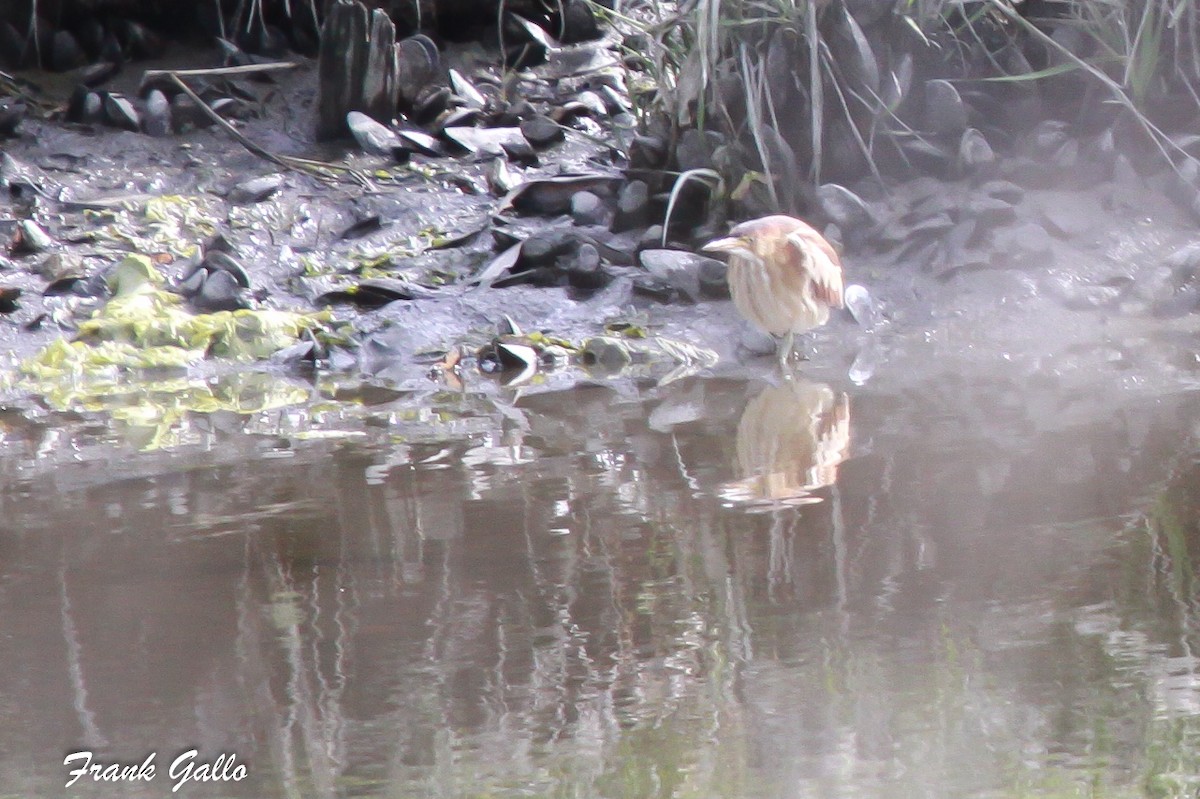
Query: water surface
column 969, row 581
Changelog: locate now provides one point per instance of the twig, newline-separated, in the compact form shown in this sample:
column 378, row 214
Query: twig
column 318, row 169
column 245, row 69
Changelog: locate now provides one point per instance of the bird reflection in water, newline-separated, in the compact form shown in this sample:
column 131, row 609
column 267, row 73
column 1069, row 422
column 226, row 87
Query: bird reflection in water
column 790, row 441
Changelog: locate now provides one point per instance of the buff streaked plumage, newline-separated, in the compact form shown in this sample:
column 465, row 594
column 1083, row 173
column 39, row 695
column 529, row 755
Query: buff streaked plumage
column 784, row 276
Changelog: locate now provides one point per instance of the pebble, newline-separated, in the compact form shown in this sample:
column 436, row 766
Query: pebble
column 587, row 272
column 843, row 207
column 157, row 121
column 647, row 152
column 588, row 209
column 120, row 113
column 945, row 111
column 633, row 207
column 1003, row 190
column 541, row 131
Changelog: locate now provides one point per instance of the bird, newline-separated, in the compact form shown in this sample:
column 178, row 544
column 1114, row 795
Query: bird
column 791, row 440
column 783, row 276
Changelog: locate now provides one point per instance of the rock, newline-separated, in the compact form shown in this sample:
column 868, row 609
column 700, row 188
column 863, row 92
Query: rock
column 675, row 268
column 1047, row 138
column 844, row 208
column 587, row 272
column 30, row 238
column 1003, row 190
column 11, row 116
column 647, row 152
column 974, row 152
column 1026, row 245
column 588, row 209
column 187, row 115
column 422, row 143
column 633, row 207
column 65, row 52
column 486, row 142
column 1085, row 296
column 693, row 150
column 541, row 131
column 990, row 211
column 466, row 91
column 1066, row 220
column 520, row 151
column 356, row 68
column 713, row 277
column 578, row 22
column 517, row 111
column 651, row 238
column 945, row 111
column 861, row 306
column 157, row 121
column 219, row 292
column 255, row 190
column 372, row 137
column 594, row 104
column 418, row 64
column 221, row 261
column 543, row 248
column 120, row 113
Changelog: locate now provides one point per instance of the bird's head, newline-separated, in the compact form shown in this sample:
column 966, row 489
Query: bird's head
column 732, row 245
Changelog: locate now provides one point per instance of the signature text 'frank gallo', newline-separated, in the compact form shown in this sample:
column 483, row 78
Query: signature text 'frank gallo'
column 183, row 769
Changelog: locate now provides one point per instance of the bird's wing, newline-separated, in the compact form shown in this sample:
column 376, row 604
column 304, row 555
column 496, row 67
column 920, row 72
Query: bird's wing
column 824, row 264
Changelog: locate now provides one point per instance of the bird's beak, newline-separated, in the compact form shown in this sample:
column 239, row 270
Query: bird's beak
column 728, row 245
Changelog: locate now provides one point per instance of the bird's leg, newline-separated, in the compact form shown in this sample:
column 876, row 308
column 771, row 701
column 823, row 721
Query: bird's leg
column 785, row 349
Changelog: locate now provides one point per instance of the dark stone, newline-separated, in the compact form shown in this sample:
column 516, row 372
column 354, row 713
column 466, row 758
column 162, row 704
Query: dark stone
column 541, row 249
column 651, row 238
column 675, row 268
column 372, row 137
column 255, row 190
column 1047, row 138
column 1003, row 190
column 974, row 152
column 100, row 72
column 1026, row 245
column 594, row 104
column 945, row 111
column 11, row 117
column 15, row 49
column 157, row 121
column 578, row 23
column 221, row 261
column 65, row 52
column 633, row 207
column 587, row 272
column 219, row 292
column 520, row 151
column 844, row 208
column 356, row 68
column 588, row 209
column 187, row 115
column 693, row 150
column 120, row 113
column 541, row 131
column 713, row 277
column 991, row 211
column 418, row 66
column 647, row 152
column 517, row 111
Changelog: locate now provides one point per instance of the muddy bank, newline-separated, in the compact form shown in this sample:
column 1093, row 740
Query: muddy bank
column 1065, row 263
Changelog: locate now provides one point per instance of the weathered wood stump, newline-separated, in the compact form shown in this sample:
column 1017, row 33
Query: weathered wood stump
column 356, row 67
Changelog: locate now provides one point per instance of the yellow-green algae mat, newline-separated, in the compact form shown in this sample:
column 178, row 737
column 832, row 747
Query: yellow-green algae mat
column 127, row 357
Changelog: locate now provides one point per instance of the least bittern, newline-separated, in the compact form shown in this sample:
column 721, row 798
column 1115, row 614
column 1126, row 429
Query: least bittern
column 783, row 275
